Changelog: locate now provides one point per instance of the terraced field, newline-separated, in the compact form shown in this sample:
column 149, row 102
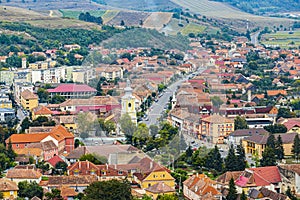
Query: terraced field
column 130, row 18
column 141, row 5
column 221, row 10
column 192, row 28
column 283, row 39
column 157, row 20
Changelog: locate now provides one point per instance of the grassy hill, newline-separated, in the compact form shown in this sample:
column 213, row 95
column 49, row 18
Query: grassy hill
column 265, row 6
column 14, row 14
column 146, row 38
column 52, row 5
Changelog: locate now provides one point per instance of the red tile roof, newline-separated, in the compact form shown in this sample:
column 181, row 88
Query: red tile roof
column 72, row 88
column 266, row 175
column 291, row 123
column 54, row 160
column 261, row 176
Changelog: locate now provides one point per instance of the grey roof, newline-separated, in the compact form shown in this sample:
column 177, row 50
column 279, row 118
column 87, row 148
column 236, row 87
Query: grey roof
column 287, row 138
column 249, row 132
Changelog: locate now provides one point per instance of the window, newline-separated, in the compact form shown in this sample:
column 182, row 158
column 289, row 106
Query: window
column 129, row 105
column 120, row 172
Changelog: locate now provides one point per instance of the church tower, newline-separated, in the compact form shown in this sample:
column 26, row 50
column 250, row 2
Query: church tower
column 128, row 103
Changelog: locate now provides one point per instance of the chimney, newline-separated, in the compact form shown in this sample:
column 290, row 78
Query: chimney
column 106, row 166
column 115, row 166
column 88, row 164
column 151, row 164
column 79, row 164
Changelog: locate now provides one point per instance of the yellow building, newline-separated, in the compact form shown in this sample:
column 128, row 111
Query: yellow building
column 29, row 100
column 159, row 188
column 8, row 188
column 215, row 128
column 154, row 177
column 68, row 121
column 111, row 72
column 5, row 102
column 41, row 111
column 256, row 144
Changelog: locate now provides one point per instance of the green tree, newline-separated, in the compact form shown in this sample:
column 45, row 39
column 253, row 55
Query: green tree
column 25, row 124
column 60, row 168
column 153, row 130
column 1, row 195
column 216, row 101
column 43, row 95
column 253, row 65
column 241, row 157
column 161, row 87
column 268, row 157
column 127, row 127
column 231, row 160
column 167, row 197
column 108, row 190
column 276, row 128
column 232, row 193
column 179, row 175
column 279, row 151
column 97, row 160
column 141, row 135
column 189, row 152
column 243, row 196
column 55, row 194
column 10, row 152
column 30, row 189
column 122, row 23
column 57, row 99
column 285, row 113
column 110, row 126
column 296, row 147
column 271, row 141
column 214, row 160
column 240, row 123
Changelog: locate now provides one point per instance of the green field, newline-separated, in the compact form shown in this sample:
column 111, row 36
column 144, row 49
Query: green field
column 75, row 13
column 192, row 28
column 109, row 15
column 283, row 39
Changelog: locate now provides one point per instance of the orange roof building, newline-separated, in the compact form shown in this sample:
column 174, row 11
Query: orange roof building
column 60, row 136
column 200, row 187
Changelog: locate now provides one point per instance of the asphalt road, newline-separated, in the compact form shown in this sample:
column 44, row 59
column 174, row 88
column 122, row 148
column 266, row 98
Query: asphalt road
column 254, row 38
column 157, row 109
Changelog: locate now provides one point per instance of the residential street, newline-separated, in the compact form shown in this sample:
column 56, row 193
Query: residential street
column 157, row 109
